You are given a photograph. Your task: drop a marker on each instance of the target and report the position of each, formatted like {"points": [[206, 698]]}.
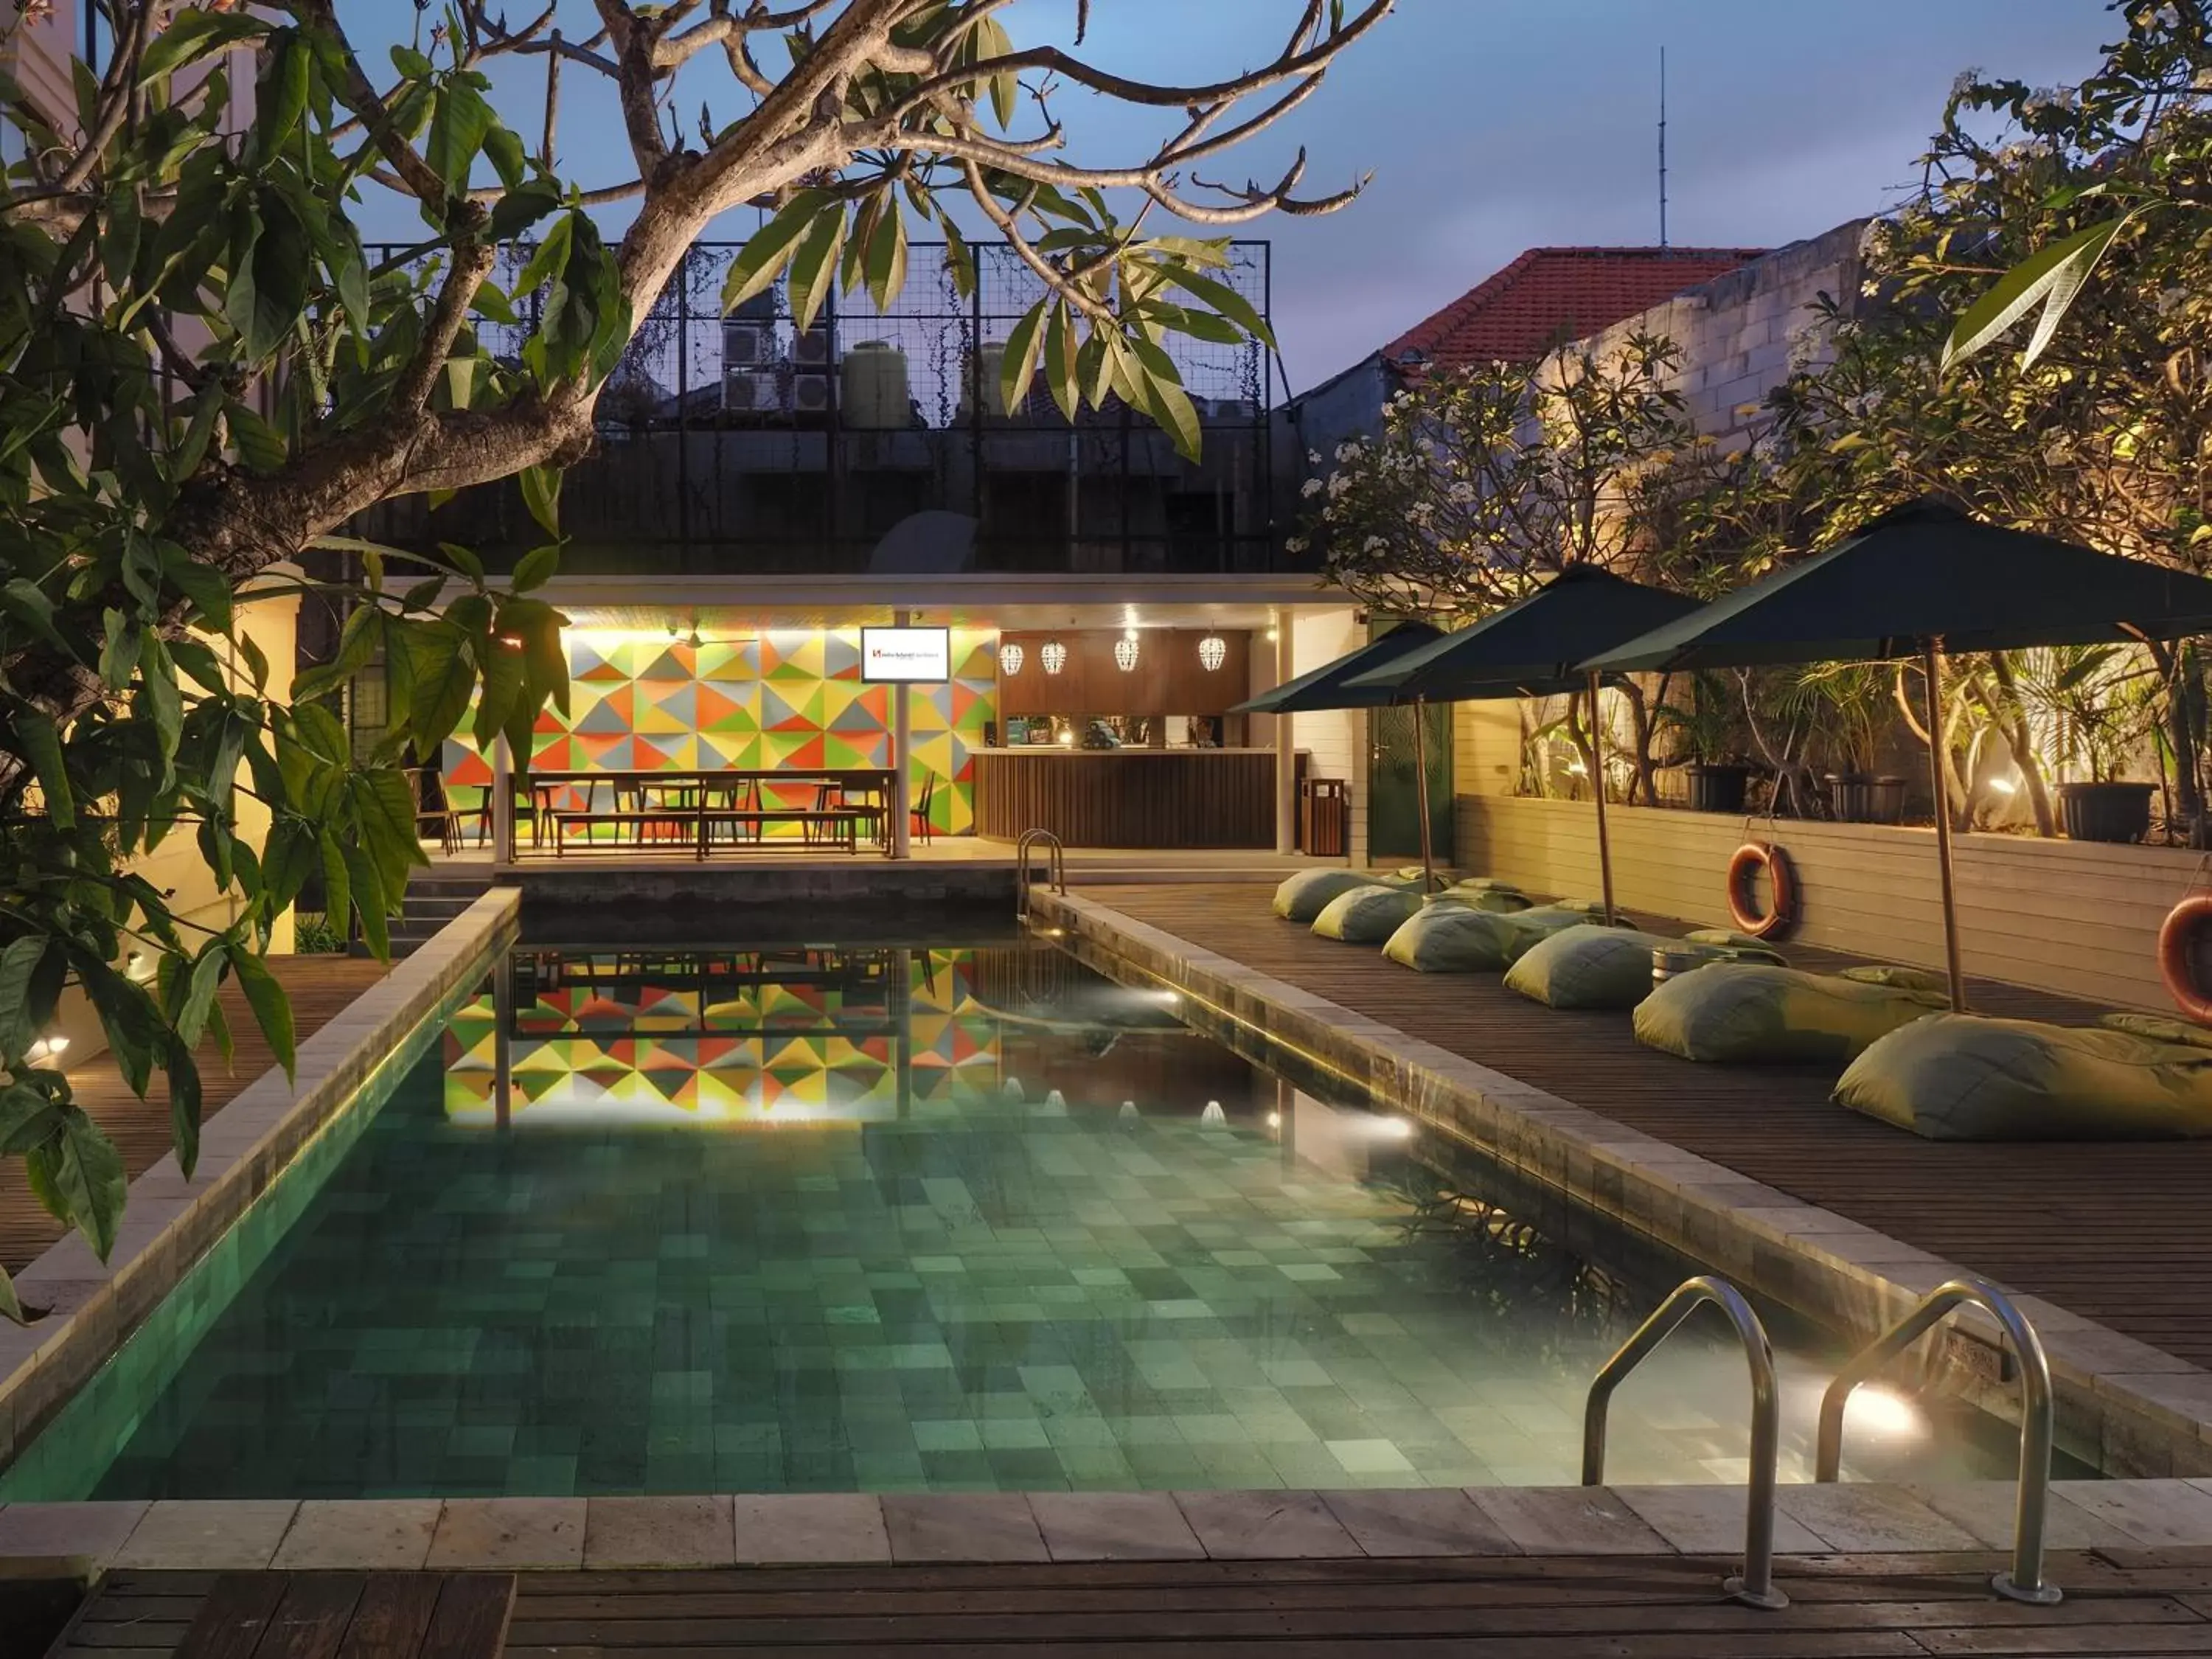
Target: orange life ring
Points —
{"points": [[2177, 939], [1750, 858]]}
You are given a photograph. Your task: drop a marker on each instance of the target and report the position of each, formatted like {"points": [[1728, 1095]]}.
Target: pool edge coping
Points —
{"points": [[833, 1530], [169, 1222], [2145, 1412]]}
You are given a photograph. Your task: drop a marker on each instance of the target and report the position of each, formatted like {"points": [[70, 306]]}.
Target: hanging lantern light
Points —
{"points": [[1052, 655], [1213, 652], [1010, 659], [1125, 653]]}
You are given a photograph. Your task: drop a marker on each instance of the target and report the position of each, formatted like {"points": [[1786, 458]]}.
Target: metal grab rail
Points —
{"points": [[1756, 1587], [2025, 1581], [1055, 868]]}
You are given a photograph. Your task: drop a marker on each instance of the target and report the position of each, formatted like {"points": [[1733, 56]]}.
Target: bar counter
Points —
{"points": [[1128, 797]]}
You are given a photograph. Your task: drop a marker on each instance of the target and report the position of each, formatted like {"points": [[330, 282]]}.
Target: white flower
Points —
{"points": [[1295, 545], [1346, 450], [1312, 487], [1376, 544], [1964, 81]]}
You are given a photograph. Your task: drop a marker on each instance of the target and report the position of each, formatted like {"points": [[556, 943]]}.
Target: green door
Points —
{"points": [[1394, 811]]}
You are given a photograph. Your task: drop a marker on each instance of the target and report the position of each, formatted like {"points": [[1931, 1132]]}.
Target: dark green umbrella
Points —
{"points": [[1533, 648], [1327, 687], [1920, 581]]}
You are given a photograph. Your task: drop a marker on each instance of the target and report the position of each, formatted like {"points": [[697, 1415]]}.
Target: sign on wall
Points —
{"points": [[914, 656]]}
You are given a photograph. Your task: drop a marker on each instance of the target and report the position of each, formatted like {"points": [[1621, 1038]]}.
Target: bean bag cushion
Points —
{"points": [[2159, 1028], [1751, 1013], [1727, 937], [1961, 1076], [1524, 928], [1499, 899], [1901, 979], [1365, 916], [1445, 937], [1304, 896], [1591, 966]]}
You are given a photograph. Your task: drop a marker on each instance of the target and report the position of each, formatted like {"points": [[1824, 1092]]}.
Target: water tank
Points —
{"points": [[871, 387], [991, 363]]}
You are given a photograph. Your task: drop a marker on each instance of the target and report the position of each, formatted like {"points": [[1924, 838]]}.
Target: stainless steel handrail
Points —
{"points": [[2025, 1581], [1055, 867], [1756, 1587]]}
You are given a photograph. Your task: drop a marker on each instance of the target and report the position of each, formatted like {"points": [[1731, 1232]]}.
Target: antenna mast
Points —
{"points": [[1662, 147]]}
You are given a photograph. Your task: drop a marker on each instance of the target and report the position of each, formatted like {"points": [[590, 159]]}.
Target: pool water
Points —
{"points": [[901, 1220]]}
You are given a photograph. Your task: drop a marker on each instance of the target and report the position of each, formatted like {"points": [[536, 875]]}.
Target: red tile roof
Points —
{"points": [[1549, 293]]}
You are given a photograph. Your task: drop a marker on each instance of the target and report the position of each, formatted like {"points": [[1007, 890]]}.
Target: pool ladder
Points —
{"points": [[1755, 1585], [1055, 867]]}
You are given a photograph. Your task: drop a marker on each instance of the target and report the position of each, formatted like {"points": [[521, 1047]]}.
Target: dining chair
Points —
{"points": [[921, 824]]}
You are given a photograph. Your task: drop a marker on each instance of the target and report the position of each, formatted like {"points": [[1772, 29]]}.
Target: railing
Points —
{"points": [[1755, 1587], [1055, 867], [2025, 1581]]}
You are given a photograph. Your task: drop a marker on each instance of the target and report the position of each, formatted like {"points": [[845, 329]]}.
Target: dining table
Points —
{"points": [[837, 802]]}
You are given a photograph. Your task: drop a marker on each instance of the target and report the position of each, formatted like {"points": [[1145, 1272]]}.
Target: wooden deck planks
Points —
{"points": [[294, 1616], [1487, 1607], [2120, 1233], [320, 987]]}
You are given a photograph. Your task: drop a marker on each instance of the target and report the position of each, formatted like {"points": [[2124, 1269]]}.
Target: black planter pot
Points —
{"points": [[1860, 798], [1716, 788], [2105, 812]]}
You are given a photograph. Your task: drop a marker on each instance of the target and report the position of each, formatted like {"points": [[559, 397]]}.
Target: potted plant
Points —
{"points": [[2105, 699], [1705, 730], [1850, 704]]}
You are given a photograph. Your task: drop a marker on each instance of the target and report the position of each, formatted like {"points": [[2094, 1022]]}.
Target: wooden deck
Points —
{"points": [[320, 987], [2117, 1603], [2119, 1232]]}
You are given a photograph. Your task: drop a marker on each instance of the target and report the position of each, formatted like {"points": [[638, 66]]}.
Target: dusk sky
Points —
{"points": [[1494, 125]]}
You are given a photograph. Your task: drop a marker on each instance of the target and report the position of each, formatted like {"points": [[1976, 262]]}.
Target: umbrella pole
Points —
{"points": [[1421, 788], [1931, 663], [1597, 790]]}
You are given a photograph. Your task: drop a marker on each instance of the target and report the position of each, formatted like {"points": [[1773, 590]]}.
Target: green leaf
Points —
{"points": [[10, 1309], [460, 118], [206, 979], [27, 1116], [272, 1011], [1224, 299], [157, 681], [18, 1018], [534, 568], [368, 885], [1018, 367], [184, 1100], [208, 588], [1165, 397], [260, 447], [193, 35], [78, 1173], [25, 601], [541, 494], [521, 207], [1061, 364], [814, 266], [504, 150], [887, 256], [42, 746], [282, 97], [548, 258], [762, 258], [2051, 278], [442, 675]]}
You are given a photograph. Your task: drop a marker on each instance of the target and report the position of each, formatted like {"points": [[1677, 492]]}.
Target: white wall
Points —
{"points": [[1336, 739], [2077, 918]]}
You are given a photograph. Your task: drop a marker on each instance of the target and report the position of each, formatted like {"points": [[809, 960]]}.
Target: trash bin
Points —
{"points": [[1324, 813]]}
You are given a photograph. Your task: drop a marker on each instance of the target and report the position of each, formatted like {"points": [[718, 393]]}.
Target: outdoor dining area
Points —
{"points": [[695, 812]]}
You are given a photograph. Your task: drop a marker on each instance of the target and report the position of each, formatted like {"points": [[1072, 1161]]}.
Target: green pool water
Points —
{"points": [[893, 1220]]}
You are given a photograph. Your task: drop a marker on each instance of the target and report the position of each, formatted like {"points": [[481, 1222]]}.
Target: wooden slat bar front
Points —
{"points": [[1132, 798]]}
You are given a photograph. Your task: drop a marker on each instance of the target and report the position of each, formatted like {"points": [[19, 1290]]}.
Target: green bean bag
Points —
{"points": [[1751, 1013], [1502, 900], [2159, 1028], [1961, 1076], [1591, 965], [1727, 937], [1445, 937], [1304, 896], [1365, 916], [1901, 979]]}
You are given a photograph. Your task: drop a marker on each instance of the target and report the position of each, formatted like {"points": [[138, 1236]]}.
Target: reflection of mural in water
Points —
{"points": [[1511, 1268], [731, 1037]]}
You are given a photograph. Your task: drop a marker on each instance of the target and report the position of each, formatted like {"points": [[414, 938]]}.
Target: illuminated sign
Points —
{"points": [[919, 656]]}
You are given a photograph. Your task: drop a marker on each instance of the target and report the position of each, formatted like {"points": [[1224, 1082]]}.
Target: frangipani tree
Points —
{"points": [[202, 372]]}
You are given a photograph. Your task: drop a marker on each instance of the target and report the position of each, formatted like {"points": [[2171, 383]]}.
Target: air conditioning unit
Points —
{"points": [[810, 392], [752, 392], [811, 350], [747, 345]]}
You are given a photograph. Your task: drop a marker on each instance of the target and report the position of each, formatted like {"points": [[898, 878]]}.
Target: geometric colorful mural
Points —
{"points": [[790, 697], [759, 1050]]}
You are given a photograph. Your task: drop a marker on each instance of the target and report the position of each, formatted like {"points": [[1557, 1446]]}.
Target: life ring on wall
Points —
{"points": [[2177, 948], [1743, 870]]}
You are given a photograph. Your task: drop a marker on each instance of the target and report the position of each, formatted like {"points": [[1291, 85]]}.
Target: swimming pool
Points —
{"points": [[900, 1218]]}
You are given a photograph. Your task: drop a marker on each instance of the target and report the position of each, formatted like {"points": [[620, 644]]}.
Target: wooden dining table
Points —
{"points": [[739, 798]]}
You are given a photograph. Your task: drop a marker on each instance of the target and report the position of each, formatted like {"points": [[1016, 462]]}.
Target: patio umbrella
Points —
{"points": [[1533, 647], [1328, 687], [1921, 582]]}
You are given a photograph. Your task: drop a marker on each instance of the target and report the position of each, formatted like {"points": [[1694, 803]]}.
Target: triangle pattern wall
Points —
{"points": [[790, 697]]}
